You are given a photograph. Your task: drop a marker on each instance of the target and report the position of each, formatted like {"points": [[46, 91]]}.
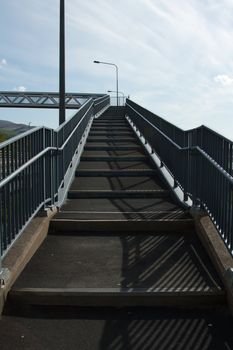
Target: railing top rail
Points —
{"points": [[157, 129], [161, 118], [101, 97], [100, 100], [213, 132], [68, 120], [197, 148], [182, 130], [40, 154], [214, 163], [24, 166]]}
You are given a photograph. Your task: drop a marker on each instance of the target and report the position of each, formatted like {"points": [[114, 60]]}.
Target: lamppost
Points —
{"points": [[112, 64], [62, 102], [119, 92]]}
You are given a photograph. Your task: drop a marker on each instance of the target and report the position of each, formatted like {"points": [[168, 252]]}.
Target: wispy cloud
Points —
{"points": [[20, 88], [3, 62], [174, 57], [223, 79]]}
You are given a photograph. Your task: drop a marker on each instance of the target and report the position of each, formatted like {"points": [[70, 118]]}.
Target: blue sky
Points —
{"points": [[174, 57]]}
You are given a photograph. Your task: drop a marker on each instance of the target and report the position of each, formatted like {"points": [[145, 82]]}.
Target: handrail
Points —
{"points": [[25, 166], [101, 97], [176, 127], [197, 148], [195, 171], [41, 177], [217, 146], [39, 155]]}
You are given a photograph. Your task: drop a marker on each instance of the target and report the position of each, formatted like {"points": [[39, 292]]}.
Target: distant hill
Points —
{"points": [[9, 129]]}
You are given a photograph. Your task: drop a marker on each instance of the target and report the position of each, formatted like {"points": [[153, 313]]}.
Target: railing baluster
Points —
{"points": [[33, 167], [208, 172]]}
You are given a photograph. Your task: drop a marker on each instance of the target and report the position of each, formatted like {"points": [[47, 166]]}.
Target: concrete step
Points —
{"points": [[117, 297], [112, 140], [110, 123], [114, 165], [73, 222], [138, 152], [98, 147], [115, 172], [120, 270], [145, 206], [111, 134], [110, 129], [120, 143], [73, 194], [109, 159], [117, 183], [111, 118]]}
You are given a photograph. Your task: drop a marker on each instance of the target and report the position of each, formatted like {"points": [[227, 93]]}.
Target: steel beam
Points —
{"points": [[43, 99]]}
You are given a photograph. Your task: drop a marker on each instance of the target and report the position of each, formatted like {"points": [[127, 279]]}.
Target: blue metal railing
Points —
{"points": [[215, 145], [200, 177], [33, 168]]}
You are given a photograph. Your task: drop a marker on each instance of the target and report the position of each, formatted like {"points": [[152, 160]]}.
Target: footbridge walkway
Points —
{"points": [[125, 223]]}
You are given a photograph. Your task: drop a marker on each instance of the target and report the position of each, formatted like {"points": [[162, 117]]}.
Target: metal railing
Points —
{"points": [[215, 145], [34, 166], [197, 173], [100, 103], [19, 149], [121, 100]]}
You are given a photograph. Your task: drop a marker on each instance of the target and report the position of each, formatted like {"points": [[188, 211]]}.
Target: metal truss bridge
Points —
{"points": [[44, 99]]}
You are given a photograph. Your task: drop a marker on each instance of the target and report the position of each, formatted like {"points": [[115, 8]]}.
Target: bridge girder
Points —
{"points": [[43, 99]]}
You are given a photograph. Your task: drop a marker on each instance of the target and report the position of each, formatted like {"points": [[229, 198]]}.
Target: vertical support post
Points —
{"points": [[62, 111], [117, 85], [195, 178], [1, 232]]}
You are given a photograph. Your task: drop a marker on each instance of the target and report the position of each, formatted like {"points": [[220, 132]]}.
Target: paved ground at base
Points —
{"points": [[108, 329]]}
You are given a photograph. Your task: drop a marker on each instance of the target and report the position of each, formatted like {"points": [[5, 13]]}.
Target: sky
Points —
{"points": [[175, 57]]}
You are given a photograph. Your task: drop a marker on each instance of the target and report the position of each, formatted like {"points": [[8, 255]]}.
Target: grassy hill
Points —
{"points": [[9, 129]]}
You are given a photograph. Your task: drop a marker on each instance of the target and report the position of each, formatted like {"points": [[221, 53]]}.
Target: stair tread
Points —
{"points": [[115, 159], [115, 172], [112, 139], [98, 147], [167, 217], [117, 183], [118, 205], [114, 153], [112, 143], [143, 262], [115, 165]]}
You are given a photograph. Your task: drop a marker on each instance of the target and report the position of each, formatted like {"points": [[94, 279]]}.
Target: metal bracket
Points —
{"points": [[4, 277], [175, 185]]}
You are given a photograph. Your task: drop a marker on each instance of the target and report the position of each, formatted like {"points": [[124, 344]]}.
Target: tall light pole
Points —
{"points": [[62, 102], [112, 64], [119, 92]]}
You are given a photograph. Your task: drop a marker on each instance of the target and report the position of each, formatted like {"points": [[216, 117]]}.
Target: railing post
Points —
{"points": [[195, 174], [1, 231], [44, 167]]}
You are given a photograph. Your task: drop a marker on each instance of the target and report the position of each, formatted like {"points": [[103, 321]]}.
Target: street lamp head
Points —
{"points": [[96, 61], [109, 91]]}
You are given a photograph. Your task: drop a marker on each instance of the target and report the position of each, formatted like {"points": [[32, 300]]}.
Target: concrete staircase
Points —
{"points": [[121, 240]]}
